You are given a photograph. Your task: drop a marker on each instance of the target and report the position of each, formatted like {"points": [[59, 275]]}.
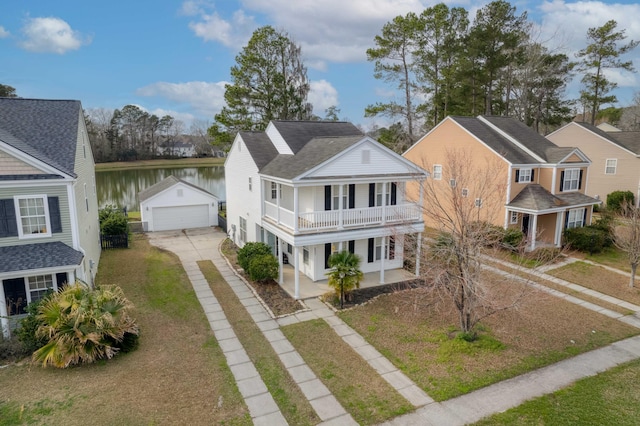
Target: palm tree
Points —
{"points": [[83, 325], [345, 274]]}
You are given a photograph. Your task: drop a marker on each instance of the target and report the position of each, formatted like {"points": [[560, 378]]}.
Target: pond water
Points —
{"points": [[121, 187]]}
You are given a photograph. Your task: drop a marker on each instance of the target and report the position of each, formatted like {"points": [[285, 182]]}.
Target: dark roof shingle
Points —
{"points": [[164, 184], [44, 129], [38, 256]]}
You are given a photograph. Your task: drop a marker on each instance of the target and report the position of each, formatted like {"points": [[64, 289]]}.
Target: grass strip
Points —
{"points": [[358, 387], [610, 398], [160, 163], [286, 393]]}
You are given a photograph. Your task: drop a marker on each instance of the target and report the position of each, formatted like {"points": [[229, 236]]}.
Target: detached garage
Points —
{"points": [[176, 204]]}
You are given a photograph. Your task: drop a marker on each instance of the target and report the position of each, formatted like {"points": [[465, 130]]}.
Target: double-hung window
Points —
{"points": [[513, 219], [524, 175], [39, 286], [571, 180], [387, 194], [243, 229], [575, 218], [610, 168], [33, 216], [335, 196], [437, 171], [274, 190]]}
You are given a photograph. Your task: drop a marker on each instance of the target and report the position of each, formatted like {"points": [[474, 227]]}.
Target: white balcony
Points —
{"points": [[331, 220]]}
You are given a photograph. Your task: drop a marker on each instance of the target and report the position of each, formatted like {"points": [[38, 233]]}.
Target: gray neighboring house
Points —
{"points": [[49, 231]]}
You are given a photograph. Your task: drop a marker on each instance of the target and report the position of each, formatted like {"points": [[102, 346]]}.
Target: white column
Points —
{"points": [[4, 321], [418, 250], [296, 268], [559, 222], [384, 249], [280, 263], [534, 232], [384, 203], [295, 209], [340, 210]]}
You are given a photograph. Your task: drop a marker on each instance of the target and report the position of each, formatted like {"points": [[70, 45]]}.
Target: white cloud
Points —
{"points": [[234, 33], [205, 98], [3, 33], [51, 35], [322, 95]]}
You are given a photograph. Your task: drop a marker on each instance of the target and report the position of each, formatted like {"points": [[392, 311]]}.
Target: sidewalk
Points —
{"points": [[202, 244]]}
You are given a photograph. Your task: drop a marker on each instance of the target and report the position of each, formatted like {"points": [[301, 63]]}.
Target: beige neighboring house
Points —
{"points": [[540, 187], [615, 157]]}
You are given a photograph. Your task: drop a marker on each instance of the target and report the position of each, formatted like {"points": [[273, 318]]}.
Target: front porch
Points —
{"points": [[309, 289]]}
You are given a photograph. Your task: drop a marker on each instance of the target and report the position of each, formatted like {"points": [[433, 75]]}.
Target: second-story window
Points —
{"points": [[524, 175], [335, 196], [571, 180], [33, 217], [437, 171], [274, 190], [250, 183], [610, 168]]}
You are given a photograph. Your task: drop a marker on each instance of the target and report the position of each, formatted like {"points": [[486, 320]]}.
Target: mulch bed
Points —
{"points": [[360, 296], [275, 297]]}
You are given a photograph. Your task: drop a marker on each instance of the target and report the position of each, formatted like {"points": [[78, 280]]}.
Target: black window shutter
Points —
{"points": [[54, 215], [327, 197], [566, 219], [392, 248], [394, 193], [352, 246], [8, 223], [372, 194], [61, 278], [352, 196], [533, 174], [584, 218], [580, 180], [562, 181], [517, 175], [370, 248], [327, 253]]}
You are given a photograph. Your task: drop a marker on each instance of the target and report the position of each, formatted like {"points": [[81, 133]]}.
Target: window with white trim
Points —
{"points": [[571, 180], [33, 216], [39, 286], [335, 196], [524, 175], [465, 192], [437, 171], [513, 219], [250, 184], [576, 218], [243, 230], [305, 255], [478, 202], [86, 199], [387, 194], [274, 190], [611, 166], [378, 249]]}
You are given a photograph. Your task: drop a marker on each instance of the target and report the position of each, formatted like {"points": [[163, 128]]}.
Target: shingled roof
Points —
{"points": [[627, 140], [312, 143], [44, 129], [38, 256], [536, 198], [164, 184]]}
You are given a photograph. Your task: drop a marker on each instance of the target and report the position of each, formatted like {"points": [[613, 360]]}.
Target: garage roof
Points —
{"points": [[165, 184]]}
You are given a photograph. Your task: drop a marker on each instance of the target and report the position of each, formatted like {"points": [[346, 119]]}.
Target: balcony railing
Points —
{"points": [[341, 219]]}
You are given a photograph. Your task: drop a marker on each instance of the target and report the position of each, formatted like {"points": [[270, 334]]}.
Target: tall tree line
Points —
{"points": [[443, 63], [129, 133]]}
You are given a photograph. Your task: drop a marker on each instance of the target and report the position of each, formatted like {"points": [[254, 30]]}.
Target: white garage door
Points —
{"points": [[180, 217]]}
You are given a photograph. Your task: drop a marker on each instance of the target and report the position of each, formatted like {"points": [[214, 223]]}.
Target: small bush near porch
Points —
{"points": [[418, 335]]}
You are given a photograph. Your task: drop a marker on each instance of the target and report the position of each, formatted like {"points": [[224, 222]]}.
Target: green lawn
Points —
{"points": [[610, 398]]}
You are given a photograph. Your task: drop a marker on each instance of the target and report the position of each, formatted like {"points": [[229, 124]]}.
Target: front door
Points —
{"points": [[16, 296], [525, 224]]}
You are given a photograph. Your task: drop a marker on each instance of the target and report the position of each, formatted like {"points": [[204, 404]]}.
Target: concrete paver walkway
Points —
{"points": [[202, 244]]}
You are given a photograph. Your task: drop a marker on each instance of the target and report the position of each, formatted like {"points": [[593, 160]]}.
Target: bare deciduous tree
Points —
{"points": [[463, 201], [626, 236]]}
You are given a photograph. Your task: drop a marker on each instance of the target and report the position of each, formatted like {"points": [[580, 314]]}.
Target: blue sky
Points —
{"points": [[173, 57]]}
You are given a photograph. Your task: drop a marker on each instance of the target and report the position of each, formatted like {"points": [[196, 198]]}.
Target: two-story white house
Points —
{"points": [[49, 231], [310, 188]]}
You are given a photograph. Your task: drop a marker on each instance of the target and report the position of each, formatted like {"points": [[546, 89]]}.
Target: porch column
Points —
{"points": [[534, 232], [340, 210], [384, 205], [295, 209], [418, 249], [278, 200], [558, 235], [280, 263], [4, 320], [383, 255], [296, 268]]}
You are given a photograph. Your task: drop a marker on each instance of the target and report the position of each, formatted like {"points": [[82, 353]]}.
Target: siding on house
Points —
{"points": [[10, 165]]}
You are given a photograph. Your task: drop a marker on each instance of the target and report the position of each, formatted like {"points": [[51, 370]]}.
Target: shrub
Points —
{"points": [[249, 251], [605, 224], [512, 239], [113, 221], [26, 332], [263, 267], [83, 325], [11, 349], [617, 198], [586, 239]]}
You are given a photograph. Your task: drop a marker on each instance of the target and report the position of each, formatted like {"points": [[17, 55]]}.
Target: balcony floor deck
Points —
{"points": [[310, 289]]}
